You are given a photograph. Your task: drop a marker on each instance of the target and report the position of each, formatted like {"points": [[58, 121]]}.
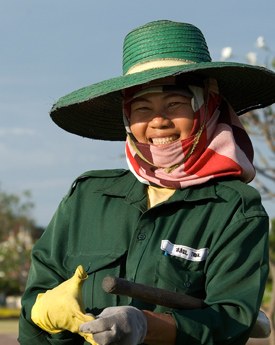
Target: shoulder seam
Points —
{"points": [[96, 174]]}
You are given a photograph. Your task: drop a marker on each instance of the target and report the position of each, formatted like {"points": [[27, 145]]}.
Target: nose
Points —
{"points": [[160, 121]]}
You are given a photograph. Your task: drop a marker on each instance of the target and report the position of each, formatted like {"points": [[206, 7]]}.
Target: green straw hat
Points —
{"points": [[153, 51]]}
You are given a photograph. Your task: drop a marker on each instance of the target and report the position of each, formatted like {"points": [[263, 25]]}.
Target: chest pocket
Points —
{"points": [[175, 274], [97, 266]]}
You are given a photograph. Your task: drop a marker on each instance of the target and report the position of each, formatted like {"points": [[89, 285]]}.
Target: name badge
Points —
{"points": [[184, 252]]}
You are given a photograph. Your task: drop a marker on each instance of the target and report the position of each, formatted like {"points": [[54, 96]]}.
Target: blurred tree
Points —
{"points": [[16, 228], [260, 124], [14, 210], [271, 306]]}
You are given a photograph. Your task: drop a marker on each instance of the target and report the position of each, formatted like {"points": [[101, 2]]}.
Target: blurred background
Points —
{"points": [[50, 48]]}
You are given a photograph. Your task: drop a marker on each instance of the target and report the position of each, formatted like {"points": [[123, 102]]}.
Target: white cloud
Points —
{"points": [[16, 131]]}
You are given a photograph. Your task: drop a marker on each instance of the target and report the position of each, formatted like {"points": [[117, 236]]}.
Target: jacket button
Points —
{"points": [[187, 284], [141, 236]]}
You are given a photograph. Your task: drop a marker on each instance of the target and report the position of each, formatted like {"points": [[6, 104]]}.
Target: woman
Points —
{"points": [[182, 218]]}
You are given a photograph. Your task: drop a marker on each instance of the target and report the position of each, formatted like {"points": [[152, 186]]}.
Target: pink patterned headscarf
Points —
{"points": [[218, 146]]}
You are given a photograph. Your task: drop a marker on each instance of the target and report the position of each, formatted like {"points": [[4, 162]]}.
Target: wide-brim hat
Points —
{"points": [[153, 51]]}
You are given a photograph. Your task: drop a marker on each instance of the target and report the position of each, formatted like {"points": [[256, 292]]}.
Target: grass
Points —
{"points": [[9, 320], [9, 326]]}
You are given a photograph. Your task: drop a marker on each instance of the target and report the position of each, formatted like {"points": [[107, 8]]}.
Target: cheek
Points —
{"points": [[190, 124], [185, 126], [139, 130]]}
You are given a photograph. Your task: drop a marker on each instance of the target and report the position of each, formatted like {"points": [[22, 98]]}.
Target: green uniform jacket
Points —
{"points": [[208, 241]]}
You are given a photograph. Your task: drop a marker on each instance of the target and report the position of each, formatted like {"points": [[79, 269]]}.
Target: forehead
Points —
{"points": [[158, 86], [151, 96]]}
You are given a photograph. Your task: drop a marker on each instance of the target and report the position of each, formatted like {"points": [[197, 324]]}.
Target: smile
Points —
{"points": [[163, 141]]}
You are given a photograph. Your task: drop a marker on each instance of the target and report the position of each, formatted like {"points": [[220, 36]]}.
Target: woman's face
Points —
{"points": [[161, 118]]}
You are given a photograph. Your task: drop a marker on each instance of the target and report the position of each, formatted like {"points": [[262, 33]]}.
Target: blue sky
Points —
{"points": [[52, 47]]}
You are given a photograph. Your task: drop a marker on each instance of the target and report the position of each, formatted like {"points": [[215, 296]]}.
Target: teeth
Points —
{"points": [[163, 141]]}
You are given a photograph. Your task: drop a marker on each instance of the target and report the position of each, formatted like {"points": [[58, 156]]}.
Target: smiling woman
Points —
{"points": [[182, 218], [171, 124], [161, 118]]}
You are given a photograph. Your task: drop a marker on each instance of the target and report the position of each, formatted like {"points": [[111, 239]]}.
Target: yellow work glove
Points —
{"points": [[60, 309]]}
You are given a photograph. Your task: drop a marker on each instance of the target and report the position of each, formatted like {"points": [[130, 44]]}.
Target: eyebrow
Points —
{"points": [[139, 99], [173, 94]]}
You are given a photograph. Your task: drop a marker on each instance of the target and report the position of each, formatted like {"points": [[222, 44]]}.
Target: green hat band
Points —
{"points": [[163, 41]]}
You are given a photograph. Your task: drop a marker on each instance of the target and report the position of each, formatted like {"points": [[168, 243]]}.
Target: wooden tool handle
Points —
{"points": [[170, 299]]}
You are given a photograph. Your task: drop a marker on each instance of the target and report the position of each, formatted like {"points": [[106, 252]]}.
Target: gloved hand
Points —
{"points": [[118, 325], [60, 309]]}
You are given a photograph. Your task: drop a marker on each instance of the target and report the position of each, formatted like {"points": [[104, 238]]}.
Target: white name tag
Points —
{"points": [[184, 251]]}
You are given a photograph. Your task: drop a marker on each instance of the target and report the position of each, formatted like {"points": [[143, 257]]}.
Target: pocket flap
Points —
{"points": [[97, 260]]}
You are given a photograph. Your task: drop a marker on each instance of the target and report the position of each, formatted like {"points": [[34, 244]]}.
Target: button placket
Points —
{"points": [[138, 246]]}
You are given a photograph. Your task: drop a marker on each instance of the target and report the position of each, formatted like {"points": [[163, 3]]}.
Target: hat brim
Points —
{"points": [[95, 111]]}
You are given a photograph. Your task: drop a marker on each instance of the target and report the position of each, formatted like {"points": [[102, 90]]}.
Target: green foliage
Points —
{"points": [[272, 241], [7, 313], [267, 294], [14, 210]]}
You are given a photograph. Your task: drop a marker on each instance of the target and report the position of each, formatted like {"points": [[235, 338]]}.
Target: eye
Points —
{"points": [[173, 104], [140, 108], [177, 103]]}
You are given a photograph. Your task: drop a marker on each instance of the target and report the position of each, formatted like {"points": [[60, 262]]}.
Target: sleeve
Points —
{"points": [[47, 271], [236, 273]]}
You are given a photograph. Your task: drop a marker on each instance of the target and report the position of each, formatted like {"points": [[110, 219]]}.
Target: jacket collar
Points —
{"points": [[134, 191]]}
